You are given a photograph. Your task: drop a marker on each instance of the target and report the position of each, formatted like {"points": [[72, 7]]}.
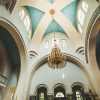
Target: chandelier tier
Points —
{"points": [[56, 59]]}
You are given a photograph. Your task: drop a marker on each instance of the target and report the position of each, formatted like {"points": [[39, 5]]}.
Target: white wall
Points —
{"points": [[67, 76]]}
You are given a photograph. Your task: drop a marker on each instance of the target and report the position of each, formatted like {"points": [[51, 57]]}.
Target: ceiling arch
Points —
{"points": [[15, 34], [61, 19]]}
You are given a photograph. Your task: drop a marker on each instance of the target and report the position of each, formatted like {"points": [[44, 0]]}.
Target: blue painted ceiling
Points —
{"points": [[51, 1], [69, 11], [54, 27], [35, 15]]}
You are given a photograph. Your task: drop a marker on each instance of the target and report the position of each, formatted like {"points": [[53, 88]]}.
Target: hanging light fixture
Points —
{"points": [[56, 59]]}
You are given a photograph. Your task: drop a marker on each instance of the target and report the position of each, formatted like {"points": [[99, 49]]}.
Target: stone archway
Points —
{"points": [[15, 34], [91, 52], [59, 91]]}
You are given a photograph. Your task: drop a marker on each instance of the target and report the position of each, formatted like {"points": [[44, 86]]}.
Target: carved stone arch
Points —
{"points": [[60, 85], [41, 91], [79, 84], [41, 85], [78, 90], [90, 47]]}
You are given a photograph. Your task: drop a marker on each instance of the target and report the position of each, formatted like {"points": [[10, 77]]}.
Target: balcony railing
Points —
{"points": [[3, 80]]}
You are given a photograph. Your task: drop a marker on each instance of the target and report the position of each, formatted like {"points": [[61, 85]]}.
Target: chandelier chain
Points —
{"points": [[56, 59]]}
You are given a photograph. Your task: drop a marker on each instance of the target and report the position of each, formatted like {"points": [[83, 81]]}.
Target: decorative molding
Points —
{"points": [[59, 84], [80, 50]]}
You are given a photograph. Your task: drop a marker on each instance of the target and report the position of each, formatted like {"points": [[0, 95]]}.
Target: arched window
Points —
{"points": [[26, 21], [59, 93], [22, 14], [81, 16], [46, 45], [41, 96], [78, 92], [42, 93], [78, 95], [63, 43], [55, 40], [85, 6]]}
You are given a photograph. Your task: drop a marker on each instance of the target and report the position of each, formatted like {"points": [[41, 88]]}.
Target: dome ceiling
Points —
{"points": [[69, 11]]}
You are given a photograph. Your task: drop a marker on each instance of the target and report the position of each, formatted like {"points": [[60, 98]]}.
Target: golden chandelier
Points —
{"points": [[56, 59]]}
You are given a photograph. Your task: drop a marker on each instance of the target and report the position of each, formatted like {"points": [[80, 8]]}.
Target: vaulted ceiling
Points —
{"points": [[40, 17], [69, 12], [64, 19]]}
